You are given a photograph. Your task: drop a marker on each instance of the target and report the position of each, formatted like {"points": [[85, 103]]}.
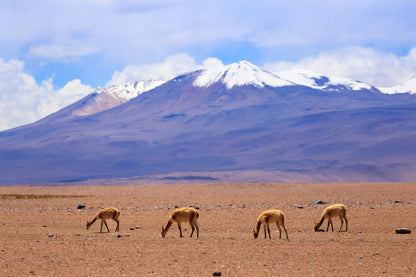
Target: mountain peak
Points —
{"points": [[318, 81], [130, 90], [408, 87], [239, 74]]}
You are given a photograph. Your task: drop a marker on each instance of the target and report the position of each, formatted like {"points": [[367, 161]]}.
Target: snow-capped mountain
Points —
{"points": [[107, 98], [224, 121], [102, 99], [130, 90], [318, 81], [239, 74], [407, 87], [245, 73]]}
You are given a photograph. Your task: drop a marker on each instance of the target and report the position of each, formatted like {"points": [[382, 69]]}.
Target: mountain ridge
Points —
{"points": [[102, 99], [284, 133]]}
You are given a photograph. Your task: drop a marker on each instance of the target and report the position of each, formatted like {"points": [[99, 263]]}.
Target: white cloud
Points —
{"points": [[70, 93], [358, 63], [23, 100], [363, 64], [212, 63], [136, 31], [65, 53], [171, 67]]}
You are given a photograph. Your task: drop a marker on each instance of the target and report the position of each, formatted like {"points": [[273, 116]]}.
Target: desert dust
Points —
{"points": [[43, 230]]}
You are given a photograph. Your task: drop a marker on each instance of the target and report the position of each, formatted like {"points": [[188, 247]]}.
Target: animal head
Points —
{"points": [[316, 228], [163, 232], [88, 225], [256, 234]]}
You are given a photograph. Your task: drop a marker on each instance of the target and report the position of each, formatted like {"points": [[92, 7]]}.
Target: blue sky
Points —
{"points": [[53, 52]]}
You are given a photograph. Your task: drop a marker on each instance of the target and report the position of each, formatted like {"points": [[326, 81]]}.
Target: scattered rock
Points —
{"points": [[50, 235], [403, 231], [398, 201], [120, 236], [216, 273], [77, 234], [318, 202], [81, 207]]}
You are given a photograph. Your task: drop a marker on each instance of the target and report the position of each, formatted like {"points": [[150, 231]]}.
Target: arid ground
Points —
{"points": [[43, 233]]}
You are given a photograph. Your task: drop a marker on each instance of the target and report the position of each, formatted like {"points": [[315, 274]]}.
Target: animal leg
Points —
{"points": [[193, 227], [118, 225], [346, 224], [108, 230], [280, 230], [180, 230], [101, 229], [342, 223], [327, 227], [268, 230], [332, 224], [197, 228], [287, 236], [265, 231]]}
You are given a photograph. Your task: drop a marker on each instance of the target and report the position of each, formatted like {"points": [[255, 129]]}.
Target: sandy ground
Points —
{"points": [[47, 237]]}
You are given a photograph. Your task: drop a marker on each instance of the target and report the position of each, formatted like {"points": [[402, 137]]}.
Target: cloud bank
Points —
{"points": [[23, 100], [358, 63]]}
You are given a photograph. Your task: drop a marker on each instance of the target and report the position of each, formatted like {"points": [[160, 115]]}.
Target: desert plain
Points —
{"points": [[43, 233]]}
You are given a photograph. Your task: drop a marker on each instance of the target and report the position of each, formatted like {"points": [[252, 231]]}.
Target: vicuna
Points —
{"points": [[107, 213], [330, 212], [270, 217], [183, 215]]}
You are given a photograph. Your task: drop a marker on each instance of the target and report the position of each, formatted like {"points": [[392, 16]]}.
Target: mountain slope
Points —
{"points": [[103, 99], [408, 87], [318, 81], [241, 119]]}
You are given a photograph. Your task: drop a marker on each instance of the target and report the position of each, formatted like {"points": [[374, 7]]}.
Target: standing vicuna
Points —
{"points": [[183, 215], [270, 217], [107, 213], [330, 212]]}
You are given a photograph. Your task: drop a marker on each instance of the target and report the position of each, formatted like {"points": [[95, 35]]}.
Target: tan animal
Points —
{"points": [[330, 212], [183, 215], [107, 213], [270, 217]]}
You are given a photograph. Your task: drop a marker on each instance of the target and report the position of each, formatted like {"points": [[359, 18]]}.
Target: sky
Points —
{"points": [[54, 52]]}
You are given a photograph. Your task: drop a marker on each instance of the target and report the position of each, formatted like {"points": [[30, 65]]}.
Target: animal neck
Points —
{"points": [[256, 232], [320, 221], [89, 223], [167, 227]]}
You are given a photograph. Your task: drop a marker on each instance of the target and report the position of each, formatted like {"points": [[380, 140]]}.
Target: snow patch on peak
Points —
{"points": [[239, 74], [131, 90], [318, 81], [408, 87]]}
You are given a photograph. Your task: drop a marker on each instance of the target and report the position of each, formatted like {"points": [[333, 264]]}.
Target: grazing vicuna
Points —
{"points": [[330, 212], [107, 213], [183, 215], [270, 217]]}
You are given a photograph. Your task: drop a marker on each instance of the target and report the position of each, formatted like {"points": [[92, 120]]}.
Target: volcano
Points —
{"points": [[228, 123]]}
